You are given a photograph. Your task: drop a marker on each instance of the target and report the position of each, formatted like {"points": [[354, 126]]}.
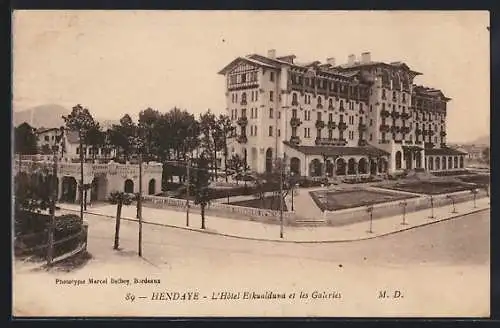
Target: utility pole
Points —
{"points": [[81, 174], [187, 191], [139, 204], [55, 187], [282, 164]]}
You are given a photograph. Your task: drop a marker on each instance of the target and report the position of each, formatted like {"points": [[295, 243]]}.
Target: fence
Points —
{"points": [[225, 210], [358, 214]]}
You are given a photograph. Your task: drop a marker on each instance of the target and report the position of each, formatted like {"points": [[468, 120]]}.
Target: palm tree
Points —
{"points": [[119, 198]]}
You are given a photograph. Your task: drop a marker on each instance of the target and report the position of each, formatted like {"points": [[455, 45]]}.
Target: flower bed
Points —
{"points": [[430, 187], [267, 203], [338, 200]]}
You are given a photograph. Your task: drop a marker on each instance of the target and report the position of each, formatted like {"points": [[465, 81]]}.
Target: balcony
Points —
{"points": [[319, 106], [242, 138], [395, 115], [425, 132], [342, 126], [295, 103], [362, 112], [429, 145], [385, 113], [332, 125], [384, 128], [418, 142], [330, 142], [242, 121], [362, 143], [395, 129], [405, 115], [330, 107], [243, 102], [320, 124], [342, 109], [418, 132], [294, 140], [362, 127], [405, 129], [295, 122], [443, 134]]}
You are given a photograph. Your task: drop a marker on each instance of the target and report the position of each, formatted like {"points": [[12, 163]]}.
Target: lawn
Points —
{"points": [[429, 188], [338, 200], [268, 203]]}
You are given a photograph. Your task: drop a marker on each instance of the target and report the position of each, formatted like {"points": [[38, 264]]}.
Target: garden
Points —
{"points": [[435, 187], [343, 199], [267, 203]]}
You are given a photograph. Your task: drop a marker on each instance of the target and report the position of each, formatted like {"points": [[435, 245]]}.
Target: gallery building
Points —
{"points": [[360, 118]]}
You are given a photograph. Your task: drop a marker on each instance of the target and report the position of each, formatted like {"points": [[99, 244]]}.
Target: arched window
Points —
{"points": [[398, 160], [129, 186], [461, 162], [430, 163]]}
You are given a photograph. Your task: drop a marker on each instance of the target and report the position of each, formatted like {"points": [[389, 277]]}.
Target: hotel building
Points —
{"points": [[360, 118]]}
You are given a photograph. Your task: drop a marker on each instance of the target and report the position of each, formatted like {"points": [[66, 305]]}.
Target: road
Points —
{"points": [[435, 266]]}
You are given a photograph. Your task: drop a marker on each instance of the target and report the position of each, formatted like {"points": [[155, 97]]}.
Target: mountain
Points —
{"points": [[50, 116], [484, 140]]}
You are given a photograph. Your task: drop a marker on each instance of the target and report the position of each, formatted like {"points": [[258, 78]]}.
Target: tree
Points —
{"points": [[95, 137], [224, 132], [120, 134], [80, 120], [201, 185], [209, 135], [149, 122], [238, 166], [25, 140], [486, 155], [119, 198]]}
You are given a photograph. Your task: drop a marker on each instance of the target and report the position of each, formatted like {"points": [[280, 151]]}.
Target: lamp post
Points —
{"points": [[369, 209], [292, 185], [453, 209], [404, 204], [474, 194], [432, 207]]}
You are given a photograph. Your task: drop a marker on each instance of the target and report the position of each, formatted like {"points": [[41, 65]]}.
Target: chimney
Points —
{"points": [[331, 61], [351, 59], [366, 57], [271, 53]]}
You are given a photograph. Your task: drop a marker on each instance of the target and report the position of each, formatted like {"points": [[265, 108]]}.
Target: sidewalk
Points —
{"points": [[261, 231]]}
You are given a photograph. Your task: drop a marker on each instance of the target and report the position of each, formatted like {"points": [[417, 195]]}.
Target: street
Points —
{"points": [[444, 261]]}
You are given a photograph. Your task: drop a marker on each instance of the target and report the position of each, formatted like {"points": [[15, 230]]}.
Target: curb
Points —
{"points": [[291, 241]]}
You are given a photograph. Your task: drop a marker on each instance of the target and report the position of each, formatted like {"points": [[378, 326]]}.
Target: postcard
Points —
{"points": [[251, 163]]}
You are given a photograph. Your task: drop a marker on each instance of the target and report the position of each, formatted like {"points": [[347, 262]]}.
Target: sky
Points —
{"points": [[117, 62]]}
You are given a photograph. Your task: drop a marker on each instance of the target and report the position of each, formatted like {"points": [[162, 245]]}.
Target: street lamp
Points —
{"points": [[369, 209], [292, 184], [474, 193], [404, 204], [432, 207], [453, 210]]}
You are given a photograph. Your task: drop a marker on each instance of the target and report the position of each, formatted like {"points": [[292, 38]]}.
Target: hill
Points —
{"points": [[48, 116], [484, 140]]}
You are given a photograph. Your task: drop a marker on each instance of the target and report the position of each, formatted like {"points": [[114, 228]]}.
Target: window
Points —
{"points": [[279, 133], [371, 137], [271, 77], [383, 93], [319, 116], [330, 134], [46, 138], [256, 95], [256, 109], [294, 99], [271, 96], [243, 78], [243, 112], [371, 122], [371, 108], [330, 117], [271, 113], [235, 97], [77, 150], [361, 106], [319, 100], [279, 114], [255, 130], [294, 113], [330, 102], [270, 131]]}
